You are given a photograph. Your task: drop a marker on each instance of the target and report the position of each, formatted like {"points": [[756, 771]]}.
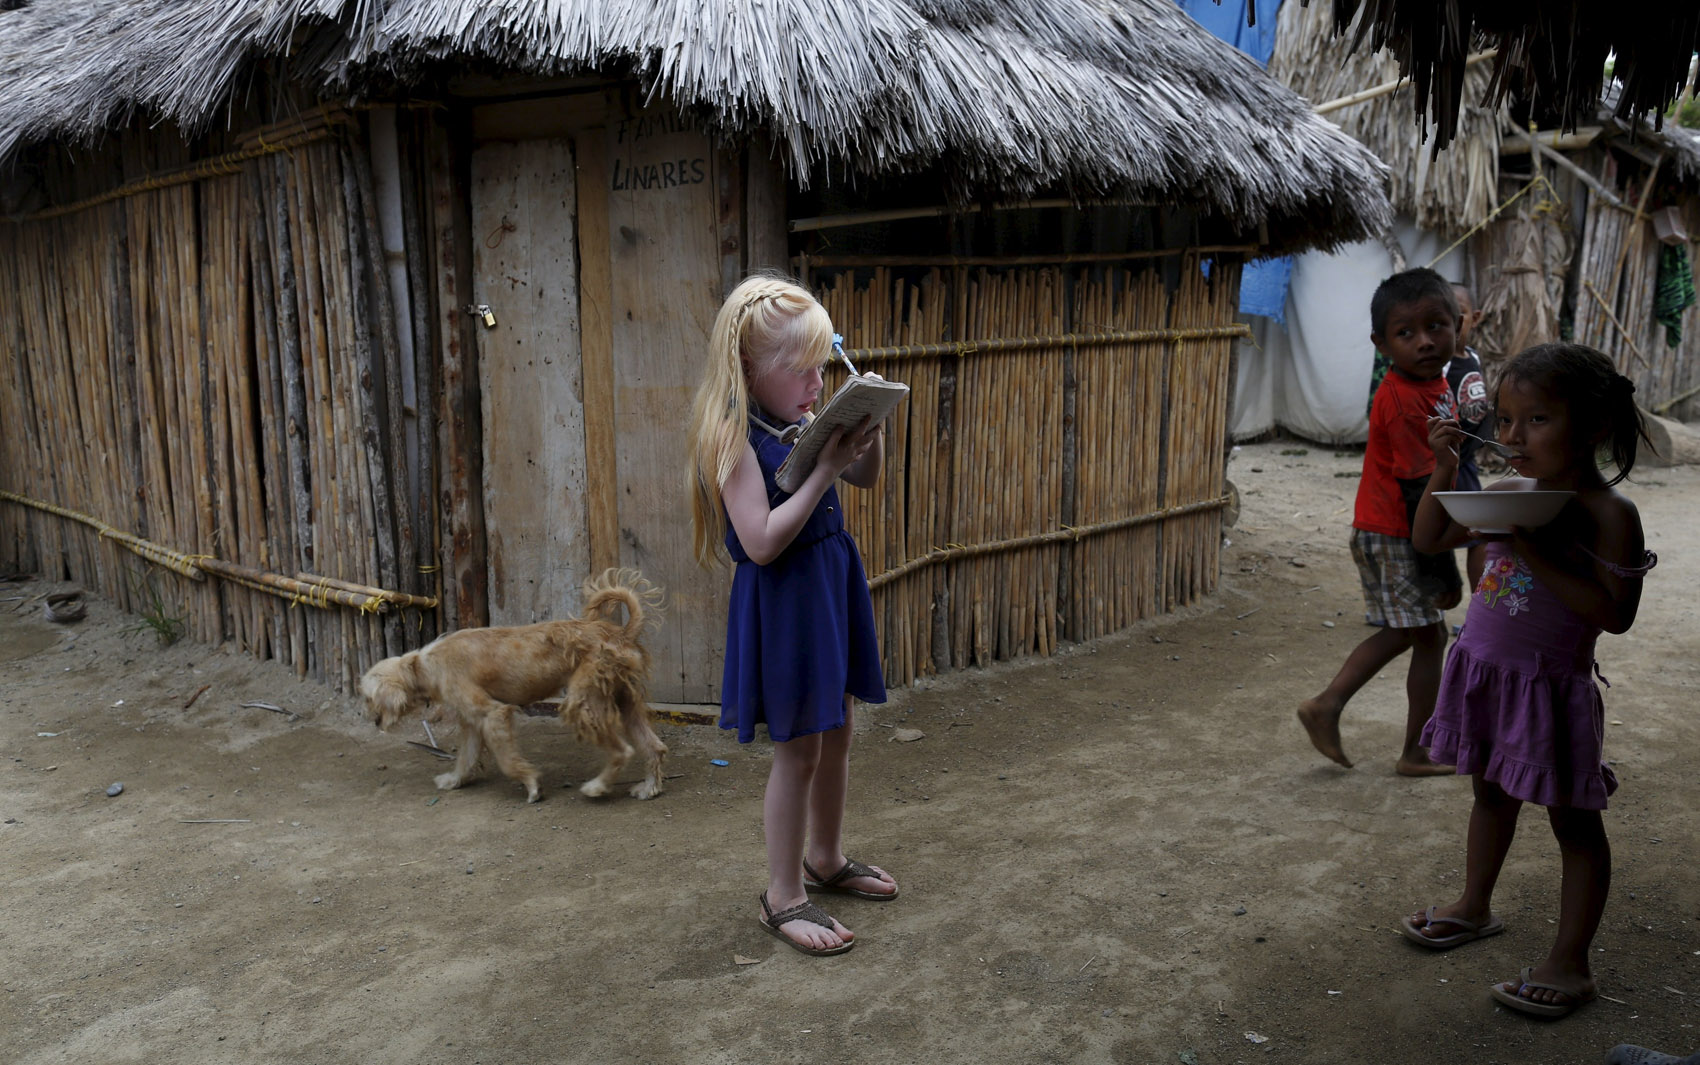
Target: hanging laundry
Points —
{"points": [[1674, 291]]}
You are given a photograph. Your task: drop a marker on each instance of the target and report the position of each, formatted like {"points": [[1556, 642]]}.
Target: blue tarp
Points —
{"points": [[1226, 20], [1263, 287], [1263, 284]]}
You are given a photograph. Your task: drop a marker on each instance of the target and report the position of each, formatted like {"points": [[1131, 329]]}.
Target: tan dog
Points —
{"points": [[485, 676]]}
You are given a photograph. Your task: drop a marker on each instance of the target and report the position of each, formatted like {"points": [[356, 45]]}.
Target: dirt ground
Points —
{"points": [[1127, 853]]}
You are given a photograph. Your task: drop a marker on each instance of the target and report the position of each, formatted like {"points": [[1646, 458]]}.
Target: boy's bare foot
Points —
{"points": [[1322, 723], [1418, 765]]}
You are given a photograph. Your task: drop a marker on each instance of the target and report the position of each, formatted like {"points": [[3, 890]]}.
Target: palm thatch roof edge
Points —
{"points": [[1006, 98]]}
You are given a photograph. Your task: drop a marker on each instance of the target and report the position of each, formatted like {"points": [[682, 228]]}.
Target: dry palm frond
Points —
{"points": [[1447, 192], [1551, 54], [1527, 258], [1117, 98]]}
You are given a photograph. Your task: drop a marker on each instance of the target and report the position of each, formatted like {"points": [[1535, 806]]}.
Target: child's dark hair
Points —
{"points": [[1600, 401], [1409, 286]]}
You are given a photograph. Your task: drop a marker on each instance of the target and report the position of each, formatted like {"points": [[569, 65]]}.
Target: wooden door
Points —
{"points": [[597, 240], [524, 237]]}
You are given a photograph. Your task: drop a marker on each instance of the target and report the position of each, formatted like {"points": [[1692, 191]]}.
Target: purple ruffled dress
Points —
{"points": [[1518, 701]]}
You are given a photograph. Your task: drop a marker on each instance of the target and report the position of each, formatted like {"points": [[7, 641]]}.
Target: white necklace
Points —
{"points": [[787, 435]]}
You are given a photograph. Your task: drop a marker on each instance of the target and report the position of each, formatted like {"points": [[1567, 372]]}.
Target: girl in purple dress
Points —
{"points": [[800, 639], [1519, 709]]}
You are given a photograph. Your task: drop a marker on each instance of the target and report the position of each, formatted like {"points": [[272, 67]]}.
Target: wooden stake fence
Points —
{"points": [[1057, 470], [1617, 273], [204, 366]]}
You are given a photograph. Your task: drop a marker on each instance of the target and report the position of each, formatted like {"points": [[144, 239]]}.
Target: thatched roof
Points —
{"points": [[1685, 151], [1125, 99], [1447, 192], [1552, 54]]}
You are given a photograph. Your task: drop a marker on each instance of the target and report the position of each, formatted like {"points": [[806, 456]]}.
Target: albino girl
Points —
{"points": [[1518, 708], [800, 640]]}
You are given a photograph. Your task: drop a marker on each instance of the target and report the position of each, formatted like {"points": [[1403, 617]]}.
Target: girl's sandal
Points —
{"points": [[835, 883], [803, 911]]}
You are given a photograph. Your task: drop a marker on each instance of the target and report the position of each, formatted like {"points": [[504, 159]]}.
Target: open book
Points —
{"points": [[860, 397]]}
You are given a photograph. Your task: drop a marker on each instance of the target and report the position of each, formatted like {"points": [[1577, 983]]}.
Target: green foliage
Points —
{"points": [[1685, 112], [168, 628]]}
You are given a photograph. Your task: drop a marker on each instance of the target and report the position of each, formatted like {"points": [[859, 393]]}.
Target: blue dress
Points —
{"points": [[800, 630]]}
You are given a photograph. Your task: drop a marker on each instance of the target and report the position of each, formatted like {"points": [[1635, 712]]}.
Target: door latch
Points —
{"points": [[483, 311]]}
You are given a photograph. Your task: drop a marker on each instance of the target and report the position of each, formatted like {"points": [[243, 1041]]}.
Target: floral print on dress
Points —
{"points": [[1506, 581]]}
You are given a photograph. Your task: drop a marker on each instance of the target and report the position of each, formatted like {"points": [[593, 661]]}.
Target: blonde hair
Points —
{"points": [[767, 321]]}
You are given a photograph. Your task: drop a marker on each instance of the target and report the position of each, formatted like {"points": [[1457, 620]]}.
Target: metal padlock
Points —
{"points": [[483, 311]]}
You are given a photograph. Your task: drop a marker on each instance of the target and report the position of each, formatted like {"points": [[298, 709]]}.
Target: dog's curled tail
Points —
{"points": [[630, 588]]}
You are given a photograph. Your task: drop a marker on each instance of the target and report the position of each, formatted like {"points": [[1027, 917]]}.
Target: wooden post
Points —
{"points": [[596, 301], [427, 541], [386, 447], [465, 581]]}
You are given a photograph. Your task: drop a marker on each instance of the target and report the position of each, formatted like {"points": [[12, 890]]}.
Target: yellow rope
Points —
{"points": [[1074, 533], [1538, 179], [164, 556], [1010, 345], [367, 601], [218, 166]]}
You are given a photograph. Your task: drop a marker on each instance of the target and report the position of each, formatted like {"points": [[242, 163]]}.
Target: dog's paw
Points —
{"points": [[448, 781], [531, 793], [646, 789], [594, 788]]}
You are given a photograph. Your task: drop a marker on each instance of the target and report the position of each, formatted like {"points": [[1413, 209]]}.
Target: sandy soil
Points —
{"points": [[1127, 853]]}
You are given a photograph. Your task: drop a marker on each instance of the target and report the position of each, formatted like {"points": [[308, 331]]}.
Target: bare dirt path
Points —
{"points": [[1127, 853]]}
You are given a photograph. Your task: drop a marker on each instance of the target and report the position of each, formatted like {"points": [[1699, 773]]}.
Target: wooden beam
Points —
{"points": [[1386, 87], [596, 344], [537, 117], [460, 419], [1540, 151], [1553, 140], [1627, 339], [1021, 260], [857, 218]]}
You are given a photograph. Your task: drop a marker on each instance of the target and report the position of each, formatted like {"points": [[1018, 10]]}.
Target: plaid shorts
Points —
{"points": [[1394, 595]]}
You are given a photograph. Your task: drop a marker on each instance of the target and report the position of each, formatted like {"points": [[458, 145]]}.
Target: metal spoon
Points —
{"points": [[1492, 445]]}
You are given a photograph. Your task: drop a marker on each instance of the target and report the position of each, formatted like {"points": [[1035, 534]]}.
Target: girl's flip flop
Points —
{"points": [[1510, 994], [835, 883], [1468, 931]]}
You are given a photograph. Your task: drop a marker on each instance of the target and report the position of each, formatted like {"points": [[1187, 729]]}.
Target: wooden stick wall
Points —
{"points": [[1030, 489], [1617, 274], [213, 366]]}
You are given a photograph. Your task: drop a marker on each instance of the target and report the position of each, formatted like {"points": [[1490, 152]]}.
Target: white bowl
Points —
{"points": [[1496, 512]]}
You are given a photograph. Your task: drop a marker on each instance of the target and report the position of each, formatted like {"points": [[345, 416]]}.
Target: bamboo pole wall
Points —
{"points": [[1617, 274], [212, 365], [903, 518], [1057, 486], [1118, 576]]}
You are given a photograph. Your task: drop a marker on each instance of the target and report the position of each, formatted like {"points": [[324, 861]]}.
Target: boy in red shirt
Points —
{"points": [[1414, 322]]}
